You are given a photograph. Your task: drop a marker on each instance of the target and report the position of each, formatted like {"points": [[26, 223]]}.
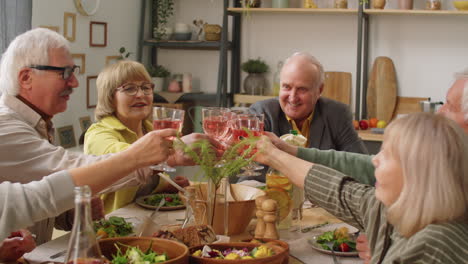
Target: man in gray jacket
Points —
{"points": [[327, 124]]}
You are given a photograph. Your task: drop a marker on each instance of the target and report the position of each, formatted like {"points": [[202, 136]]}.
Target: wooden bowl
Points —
{"points": [[269, 241], [280, 256], [241, 208], [461, 5], [177, 252]]}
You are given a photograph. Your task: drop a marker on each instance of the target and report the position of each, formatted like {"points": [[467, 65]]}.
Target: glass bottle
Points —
{"points": [[83, 247], [276, 78], [280, 189]]}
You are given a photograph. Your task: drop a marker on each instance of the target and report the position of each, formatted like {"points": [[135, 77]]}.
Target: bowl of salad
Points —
{"points": [[238, 252], [113, 227], [137, 250]]}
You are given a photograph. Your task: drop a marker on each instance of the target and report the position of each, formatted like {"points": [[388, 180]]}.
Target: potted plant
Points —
{"points": [[124, 54], [162, 11], [255, 83], [158, 74]]}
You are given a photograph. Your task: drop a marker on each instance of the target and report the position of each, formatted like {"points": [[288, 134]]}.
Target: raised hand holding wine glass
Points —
{"points": [[167, 118]]}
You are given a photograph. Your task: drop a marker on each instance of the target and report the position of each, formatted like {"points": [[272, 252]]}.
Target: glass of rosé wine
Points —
{"points": [[215, 121], [167, 118]]}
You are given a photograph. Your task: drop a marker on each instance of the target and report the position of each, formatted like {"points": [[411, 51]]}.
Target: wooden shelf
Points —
{"points": [[162, 97], [250, 99], [367, 135], [414, 12], [191, 44], [294, 10]]}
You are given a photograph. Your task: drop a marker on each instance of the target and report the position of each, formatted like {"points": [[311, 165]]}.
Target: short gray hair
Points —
{"points": [[313, 61], [31, 47], [464, 100]]}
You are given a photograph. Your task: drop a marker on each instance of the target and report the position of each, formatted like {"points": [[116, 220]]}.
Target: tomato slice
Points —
{"points": [[344, 247]]}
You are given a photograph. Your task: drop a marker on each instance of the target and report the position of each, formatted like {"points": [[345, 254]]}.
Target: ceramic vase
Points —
{"points": [[405, 4], [378, 4], [255, 84], [280, 4]]}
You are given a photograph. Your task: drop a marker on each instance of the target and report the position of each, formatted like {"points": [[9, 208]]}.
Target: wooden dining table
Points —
{"points": [[300, 249]]}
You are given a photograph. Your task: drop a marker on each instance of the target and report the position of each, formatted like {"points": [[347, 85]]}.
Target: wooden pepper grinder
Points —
{"points": [[260, 228], [269, 208]]}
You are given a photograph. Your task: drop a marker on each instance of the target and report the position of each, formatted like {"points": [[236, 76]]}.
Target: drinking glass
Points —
{"points": [[215, 121], [167, 118], [251, 122]]}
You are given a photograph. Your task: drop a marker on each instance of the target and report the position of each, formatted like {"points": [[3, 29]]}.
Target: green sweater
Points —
{"points": [[355, 165], [356, 204]]}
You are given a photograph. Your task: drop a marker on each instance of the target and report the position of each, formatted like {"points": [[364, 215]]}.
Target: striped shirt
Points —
{"points": [[356, 204]]}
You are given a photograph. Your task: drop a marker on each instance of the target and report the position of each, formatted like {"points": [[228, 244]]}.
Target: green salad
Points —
{"points": [[171, 199], [340, 238], [134, 255], [113, 227]]}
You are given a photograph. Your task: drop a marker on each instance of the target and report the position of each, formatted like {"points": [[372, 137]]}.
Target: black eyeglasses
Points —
{"points": [[131, 89], [66, 71]]}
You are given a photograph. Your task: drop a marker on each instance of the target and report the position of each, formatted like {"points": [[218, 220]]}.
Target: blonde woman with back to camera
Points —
{"points": [[417, 212], [123, 114]]}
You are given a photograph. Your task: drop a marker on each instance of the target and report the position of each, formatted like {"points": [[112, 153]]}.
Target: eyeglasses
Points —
{"points": [[66, 71], [132, 89]]}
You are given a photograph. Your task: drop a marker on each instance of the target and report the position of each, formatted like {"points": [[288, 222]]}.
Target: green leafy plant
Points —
{"points": [[124, 53], [255, 66], [162, 11], [158, 71], [214, 168]]}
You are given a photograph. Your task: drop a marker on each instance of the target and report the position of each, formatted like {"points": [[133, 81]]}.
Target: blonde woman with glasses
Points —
{"points": [[417, 211], [123, 114]]}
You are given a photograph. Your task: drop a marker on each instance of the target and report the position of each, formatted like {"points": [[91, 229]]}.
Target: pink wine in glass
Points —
{"points": [[215, 126], [162, 124]]}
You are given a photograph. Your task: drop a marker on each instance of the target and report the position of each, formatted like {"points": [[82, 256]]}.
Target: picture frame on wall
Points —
{"points": [[97, 34], [66, 136], [85, 123], [112, 59], [53, 28], [91, 91], [80, 60], [69, 26]]}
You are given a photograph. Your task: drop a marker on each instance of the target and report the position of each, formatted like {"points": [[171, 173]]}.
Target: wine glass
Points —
{"points": [[251, 122], [215, 121], [167, 118]]}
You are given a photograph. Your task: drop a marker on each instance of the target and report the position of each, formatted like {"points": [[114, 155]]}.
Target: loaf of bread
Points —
{"points": [[195, 235]]}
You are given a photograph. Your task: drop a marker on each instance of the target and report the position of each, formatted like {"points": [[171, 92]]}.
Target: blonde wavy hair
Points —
{"points": [[110, 79], [433, 154]]}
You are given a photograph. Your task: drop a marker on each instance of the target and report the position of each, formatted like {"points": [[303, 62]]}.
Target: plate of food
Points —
{"points": [[173, 201], [342, 236], [114, 226]]}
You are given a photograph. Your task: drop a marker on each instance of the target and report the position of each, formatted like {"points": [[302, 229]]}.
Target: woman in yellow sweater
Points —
{"points": [[123, 115]]}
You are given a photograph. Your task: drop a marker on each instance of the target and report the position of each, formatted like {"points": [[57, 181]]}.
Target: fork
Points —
{"points": [[330, 245], [150, 219]]}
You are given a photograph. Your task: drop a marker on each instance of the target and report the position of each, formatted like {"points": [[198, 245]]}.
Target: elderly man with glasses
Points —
{"points": [[37, 77]]}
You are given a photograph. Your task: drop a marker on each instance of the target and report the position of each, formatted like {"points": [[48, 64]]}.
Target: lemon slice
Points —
{"points": [[282, 198]]}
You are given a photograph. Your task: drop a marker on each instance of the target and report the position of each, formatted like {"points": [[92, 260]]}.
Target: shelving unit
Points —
{"points": [[294, 10], [222, 97], [415, 12]]}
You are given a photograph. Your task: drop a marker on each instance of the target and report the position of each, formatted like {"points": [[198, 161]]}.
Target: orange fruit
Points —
{"points": [[373, 122], [283, 199]]}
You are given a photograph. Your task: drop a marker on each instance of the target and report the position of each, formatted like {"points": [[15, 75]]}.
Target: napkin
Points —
{"points": [[43, 252]]}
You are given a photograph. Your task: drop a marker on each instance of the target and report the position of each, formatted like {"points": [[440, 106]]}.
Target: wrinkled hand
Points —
{"points": [[362, 246], [264, 149], [281, 144], [16, 245], [179, 158], [180, 180], [153, 148]]}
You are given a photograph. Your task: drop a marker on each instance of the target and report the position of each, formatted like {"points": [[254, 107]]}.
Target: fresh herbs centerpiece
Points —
{"points": [[217, 170]]}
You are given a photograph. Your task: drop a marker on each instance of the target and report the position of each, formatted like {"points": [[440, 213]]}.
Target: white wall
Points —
{"points": [[426, 50], [122, 18]]}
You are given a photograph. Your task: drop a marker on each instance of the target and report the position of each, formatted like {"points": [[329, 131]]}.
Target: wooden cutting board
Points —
{"points": [[337, 86], [382, 90]]}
